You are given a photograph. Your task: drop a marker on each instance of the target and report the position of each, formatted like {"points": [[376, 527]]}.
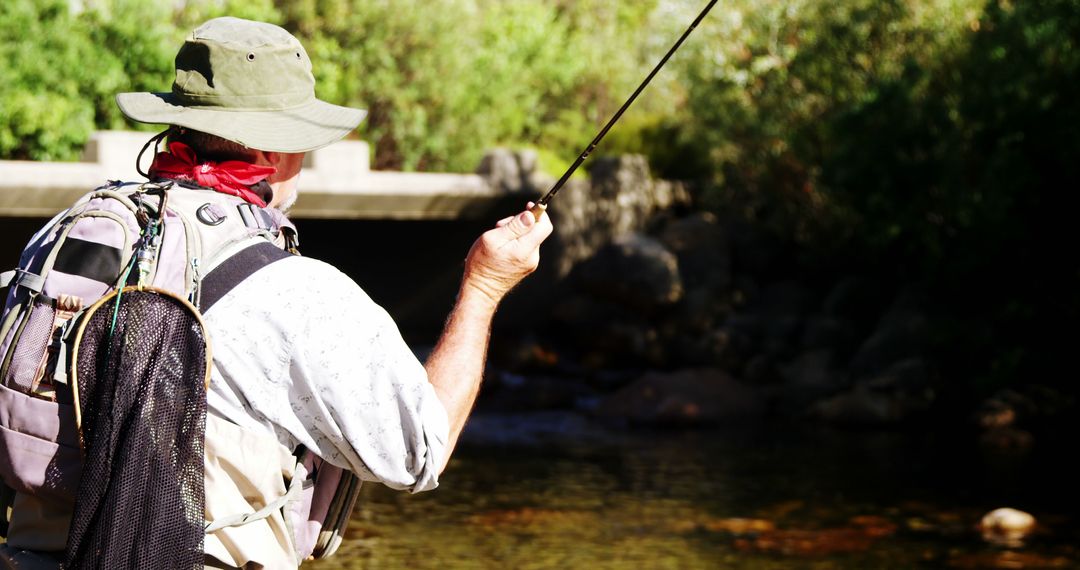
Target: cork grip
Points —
{"points": [[538, 210]]}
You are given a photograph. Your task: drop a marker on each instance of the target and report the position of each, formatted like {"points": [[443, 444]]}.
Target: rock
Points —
{"points": [[607, 333], [898, 393], [761, 370], [701, 246], [515, 392], [709, 348], [779, 334], [863, 405], [732, 347], [1002, 415], [621, 197], [541, 428], [808, 378], [756, 252], [813, 370], [500, 168], [686, 397], [828, 332], [634, 270], [909, 375], [508, 170], [784, 298], [751, 326], [528, 160], [860, 406], [819, 542], [701, 310], [1008, 439], [1006, 527], [899, 334], [1032, 405], [855, 298], [735, 526]]}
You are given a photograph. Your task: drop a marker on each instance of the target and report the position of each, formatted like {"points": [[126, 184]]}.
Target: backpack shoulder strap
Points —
{"points": [[235, 269]]}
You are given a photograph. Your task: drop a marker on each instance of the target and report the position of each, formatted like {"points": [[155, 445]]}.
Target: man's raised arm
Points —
{"points": [[498, 261]]}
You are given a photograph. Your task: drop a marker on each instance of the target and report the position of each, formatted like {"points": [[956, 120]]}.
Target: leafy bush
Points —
{"points": [[63, 68], [442, 81], [930, 142]]}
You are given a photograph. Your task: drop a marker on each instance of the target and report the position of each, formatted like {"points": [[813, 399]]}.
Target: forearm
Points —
{"points": [[456, 366]]}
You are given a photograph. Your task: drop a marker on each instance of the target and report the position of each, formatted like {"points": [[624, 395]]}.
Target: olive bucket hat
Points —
{"points": [[248, 82]]}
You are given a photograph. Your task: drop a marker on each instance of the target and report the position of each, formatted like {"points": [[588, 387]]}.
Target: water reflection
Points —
{"points": [[552, 491]]}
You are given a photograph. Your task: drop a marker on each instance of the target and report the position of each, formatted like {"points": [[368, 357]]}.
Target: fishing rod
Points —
{"points": [[540, 206]]}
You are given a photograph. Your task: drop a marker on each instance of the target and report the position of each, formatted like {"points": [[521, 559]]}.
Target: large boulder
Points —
{"points": [[829, 332], [898, 393], [604, 333], [686, 397], [635, 270], [809, 377], [621, 197], [900, 334], [510, 171], [784, 298], [508, 392], [857, 299], [704, 254]]}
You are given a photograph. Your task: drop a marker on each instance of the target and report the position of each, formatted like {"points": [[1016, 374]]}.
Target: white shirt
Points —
{"points": [[302, 352]]}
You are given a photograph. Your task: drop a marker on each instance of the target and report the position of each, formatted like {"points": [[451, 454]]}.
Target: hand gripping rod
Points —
{"points": [[540, 206]]}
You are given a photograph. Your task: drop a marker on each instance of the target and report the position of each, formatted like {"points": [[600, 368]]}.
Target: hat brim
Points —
{"points": [[299, 129]]}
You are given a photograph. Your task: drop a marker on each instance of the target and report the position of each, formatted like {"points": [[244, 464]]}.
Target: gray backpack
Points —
{"points": [[154, 235]]}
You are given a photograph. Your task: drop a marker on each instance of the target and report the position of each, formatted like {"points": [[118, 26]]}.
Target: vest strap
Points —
{"points": [[22, 278], [296, 485], [235, 269]]}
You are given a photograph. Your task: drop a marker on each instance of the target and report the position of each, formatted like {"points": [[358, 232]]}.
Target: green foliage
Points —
{"points": [[443, 82], [63, 68], [44, 115], [769, 84], [932, 141]]}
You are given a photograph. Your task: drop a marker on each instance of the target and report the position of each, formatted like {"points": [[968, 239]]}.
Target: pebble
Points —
{"points": [[1006, 527]]}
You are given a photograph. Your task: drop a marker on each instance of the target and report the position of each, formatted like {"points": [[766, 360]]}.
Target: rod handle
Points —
{"points": [[538, 210]]}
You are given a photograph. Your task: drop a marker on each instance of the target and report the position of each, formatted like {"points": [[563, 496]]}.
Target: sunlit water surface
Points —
{"points": [[555, 491]]}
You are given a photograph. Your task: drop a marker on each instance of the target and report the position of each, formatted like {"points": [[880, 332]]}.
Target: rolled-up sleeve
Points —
{"points": [[372, 407]]}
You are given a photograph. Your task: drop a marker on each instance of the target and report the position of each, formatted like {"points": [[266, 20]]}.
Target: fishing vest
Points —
{"points": [[265, 505]]}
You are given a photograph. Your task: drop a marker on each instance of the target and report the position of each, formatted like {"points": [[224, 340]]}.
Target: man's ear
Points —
{"points": [[272, 158]]}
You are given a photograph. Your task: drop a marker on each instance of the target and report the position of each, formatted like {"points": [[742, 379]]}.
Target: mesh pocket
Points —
{"points": [[142, 392], [31, 342]]}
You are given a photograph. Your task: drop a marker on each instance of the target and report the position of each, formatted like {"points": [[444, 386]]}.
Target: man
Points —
{"points": [[301, 354]]}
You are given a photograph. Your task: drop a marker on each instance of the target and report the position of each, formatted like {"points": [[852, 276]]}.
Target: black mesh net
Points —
{"points": [[143, 399]]}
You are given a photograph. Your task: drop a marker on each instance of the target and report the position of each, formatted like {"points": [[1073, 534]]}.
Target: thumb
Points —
{"points": [[521, 224]]}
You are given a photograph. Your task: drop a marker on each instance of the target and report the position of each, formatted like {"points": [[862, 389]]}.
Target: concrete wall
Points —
{"points": [[336, 183]]}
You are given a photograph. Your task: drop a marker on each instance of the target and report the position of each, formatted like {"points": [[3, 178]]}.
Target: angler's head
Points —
{"points": [[249, 83]]}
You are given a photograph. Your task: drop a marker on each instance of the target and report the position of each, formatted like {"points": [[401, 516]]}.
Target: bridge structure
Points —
{"points": [[335, 184]]}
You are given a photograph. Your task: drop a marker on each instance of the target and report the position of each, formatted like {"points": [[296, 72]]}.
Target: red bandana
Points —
{"points": [[232, 177]]}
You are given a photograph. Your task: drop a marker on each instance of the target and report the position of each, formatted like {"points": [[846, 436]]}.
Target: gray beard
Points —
{"points": [[288, 204]]}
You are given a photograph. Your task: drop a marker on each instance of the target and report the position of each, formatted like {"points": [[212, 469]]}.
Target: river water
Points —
{"points": [[553, 490]]}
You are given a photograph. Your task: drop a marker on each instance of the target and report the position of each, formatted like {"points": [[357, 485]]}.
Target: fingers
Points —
{"points": [[520, 224], [525, 227]]}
